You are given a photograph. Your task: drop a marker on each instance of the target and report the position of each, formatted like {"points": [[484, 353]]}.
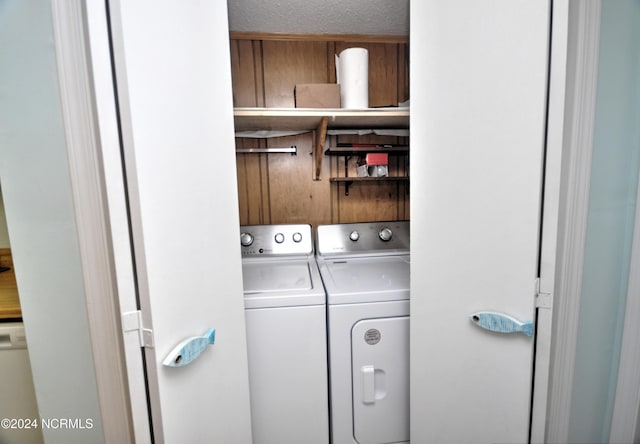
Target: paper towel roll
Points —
{"points": [[352, 73]]}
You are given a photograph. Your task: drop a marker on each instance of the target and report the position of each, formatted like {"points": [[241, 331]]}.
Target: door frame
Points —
{"points": [[576, 125], [577, 140], [558, 47], [88, 109]]}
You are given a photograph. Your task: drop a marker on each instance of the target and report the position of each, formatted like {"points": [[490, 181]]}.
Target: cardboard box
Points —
{"points": [[317, 95]]}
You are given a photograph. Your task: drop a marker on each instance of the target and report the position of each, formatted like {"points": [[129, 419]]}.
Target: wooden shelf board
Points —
{"points": [[9, 300], [368, 179], [308, 119], [349, 181], [359, 38], [347, 151]]}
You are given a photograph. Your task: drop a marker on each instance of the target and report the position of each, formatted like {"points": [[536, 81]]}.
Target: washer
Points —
{"points": [[286, 335], [365, 270]]}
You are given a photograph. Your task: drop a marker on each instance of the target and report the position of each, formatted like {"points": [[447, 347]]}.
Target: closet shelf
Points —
{"points": [[319, 120], [393, 150], [309, 119], [348, 181]]}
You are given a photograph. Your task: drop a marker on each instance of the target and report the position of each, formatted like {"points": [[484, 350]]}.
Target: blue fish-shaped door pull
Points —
{"points": [[501, 323], [189, 349]]}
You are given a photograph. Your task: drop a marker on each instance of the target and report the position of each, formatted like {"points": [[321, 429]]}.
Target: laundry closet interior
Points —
{"points": [[309, 186], [314, 178]]}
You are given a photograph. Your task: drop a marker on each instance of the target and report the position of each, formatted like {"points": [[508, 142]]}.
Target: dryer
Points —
{"points": [[285, 315], [365, 271]]}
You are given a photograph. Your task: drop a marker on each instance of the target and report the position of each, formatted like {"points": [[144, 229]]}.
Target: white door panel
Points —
{"points": [[174, 92], [479, 73]]}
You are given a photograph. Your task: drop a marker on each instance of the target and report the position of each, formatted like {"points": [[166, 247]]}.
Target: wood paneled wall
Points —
{"points": [[279, 188]]}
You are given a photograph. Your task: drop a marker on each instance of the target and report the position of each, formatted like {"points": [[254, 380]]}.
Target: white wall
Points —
{"points": [[40, 215], [612, 201]]}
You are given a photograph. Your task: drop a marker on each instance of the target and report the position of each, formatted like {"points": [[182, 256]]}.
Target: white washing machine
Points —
{"points": [[365, 270], [286, 335]]}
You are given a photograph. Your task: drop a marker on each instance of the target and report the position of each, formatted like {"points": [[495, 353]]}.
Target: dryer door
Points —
{"points": [[380, 375]]}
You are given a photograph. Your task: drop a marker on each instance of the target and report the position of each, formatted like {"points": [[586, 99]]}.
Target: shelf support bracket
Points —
{"points": [[318, 147], [347, 185]]}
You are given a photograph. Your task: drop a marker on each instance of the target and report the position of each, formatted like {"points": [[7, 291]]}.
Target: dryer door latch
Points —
{"points": [[371, 394]]}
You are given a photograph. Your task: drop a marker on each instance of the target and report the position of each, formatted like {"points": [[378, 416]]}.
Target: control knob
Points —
{"points": [[279, 238], [297, 237], [354, 235], [385, 234], [246, 239]]}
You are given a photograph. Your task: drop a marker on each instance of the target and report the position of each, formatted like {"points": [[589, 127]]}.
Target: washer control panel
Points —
{"points": [[288, 239], [369, 237]]}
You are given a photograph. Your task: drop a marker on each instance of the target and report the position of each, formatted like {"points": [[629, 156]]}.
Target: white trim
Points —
{"points": [[98, 38], [166, 225], [551, 210], [135, 218], [626, 410], [582, 68], [91, 217]]}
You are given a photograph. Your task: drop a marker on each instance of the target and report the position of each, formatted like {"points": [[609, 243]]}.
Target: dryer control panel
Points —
{"points": [[369, 238], [287, 239]]}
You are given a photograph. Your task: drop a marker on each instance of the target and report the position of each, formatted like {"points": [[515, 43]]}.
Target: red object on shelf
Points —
{"points": [[377, 158]]}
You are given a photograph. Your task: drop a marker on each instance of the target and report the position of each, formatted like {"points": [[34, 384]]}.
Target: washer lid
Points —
{"points": [[270, 283], [366, 279], [275, 276]]}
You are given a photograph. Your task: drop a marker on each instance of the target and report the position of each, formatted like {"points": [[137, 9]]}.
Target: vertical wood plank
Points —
{"points": [[369, 201], [243, 73], [263, 187], [403, 73], [251, 172], [243, 207], [337, 188], [294, 196], [383, 75], [258, 62], [287, 63]]}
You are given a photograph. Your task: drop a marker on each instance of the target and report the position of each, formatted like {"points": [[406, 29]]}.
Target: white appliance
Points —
{"points": [[17, 395], [365, 270], [286, 335]]}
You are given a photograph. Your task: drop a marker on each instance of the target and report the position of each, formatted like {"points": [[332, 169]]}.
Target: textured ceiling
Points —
{"points": [[383, 17]]}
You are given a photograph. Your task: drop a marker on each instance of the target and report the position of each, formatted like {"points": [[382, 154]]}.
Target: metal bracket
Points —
{"points": [[132, 322], [543, 300], [347, 185]]}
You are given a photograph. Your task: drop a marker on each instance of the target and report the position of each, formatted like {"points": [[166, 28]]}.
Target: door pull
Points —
{"points": [[501, 323], [188, 350]]}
